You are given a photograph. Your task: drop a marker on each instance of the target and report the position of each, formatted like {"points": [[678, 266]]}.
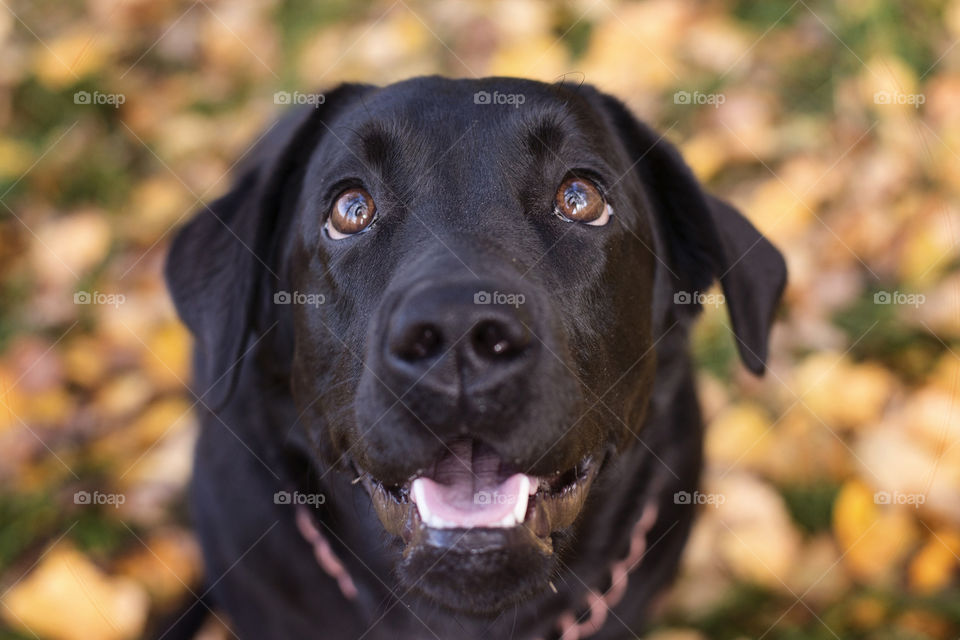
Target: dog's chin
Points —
{"points": [[476, 571], [479, 536]]}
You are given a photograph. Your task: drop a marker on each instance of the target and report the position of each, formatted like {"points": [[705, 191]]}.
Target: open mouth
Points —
{"points": [[470, 487]]}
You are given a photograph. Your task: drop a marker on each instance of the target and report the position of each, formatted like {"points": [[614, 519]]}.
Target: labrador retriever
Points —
{"points": [[441, 360]]}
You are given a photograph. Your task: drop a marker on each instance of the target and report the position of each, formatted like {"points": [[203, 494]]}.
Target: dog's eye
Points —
{"points": [[579, 200], [353, 212]]}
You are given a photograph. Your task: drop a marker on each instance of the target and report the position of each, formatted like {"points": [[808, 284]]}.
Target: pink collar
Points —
{"points": [[324, 554], [570, 627]]}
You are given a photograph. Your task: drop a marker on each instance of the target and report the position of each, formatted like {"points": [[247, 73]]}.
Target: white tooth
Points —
{"points": [[534, 483], [418, 498], [507, 521], [520, 509]]}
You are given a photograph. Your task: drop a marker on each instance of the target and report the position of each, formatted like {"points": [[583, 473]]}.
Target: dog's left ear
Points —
{"points": [[705, 238]]}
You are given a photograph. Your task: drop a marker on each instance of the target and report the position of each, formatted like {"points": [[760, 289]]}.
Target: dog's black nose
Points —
{"points": [[456, 339]]}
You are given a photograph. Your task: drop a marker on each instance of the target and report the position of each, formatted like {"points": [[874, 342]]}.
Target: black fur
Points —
{"points": [[296, 397]]}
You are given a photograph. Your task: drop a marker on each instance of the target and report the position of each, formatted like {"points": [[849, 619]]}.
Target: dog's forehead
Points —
{"points": [[468, 114]]}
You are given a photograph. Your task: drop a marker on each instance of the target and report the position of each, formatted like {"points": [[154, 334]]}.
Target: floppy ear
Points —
{"points": [[224, 262], [706, 238]]}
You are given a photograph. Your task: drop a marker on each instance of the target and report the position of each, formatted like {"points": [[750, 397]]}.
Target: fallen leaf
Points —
{"points": [[874, 539], [67, 597]]}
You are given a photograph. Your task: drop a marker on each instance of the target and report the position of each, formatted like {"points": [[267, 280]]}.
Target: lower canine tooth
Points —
{"points": [[417, 489], [520, 508]]}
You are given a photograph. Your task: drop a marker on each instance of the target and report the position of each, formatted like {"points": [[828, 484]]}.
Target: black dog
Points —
{"points": [[441, 346]]}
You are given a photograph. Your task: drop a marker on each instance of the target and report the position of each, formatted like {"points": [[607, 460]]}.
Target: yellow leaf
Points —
{"points": [[634, 50], [952, 18], [756, 540], [48, 407], [874, 540], [930, 242], [15, 158], [67, 597], [64, 60], [933, 567], [122, 395], [167, 361], [540, 58], [155, 205], [866, 389], [84, 361], [706, 154], [69, 246], [739, 435]]}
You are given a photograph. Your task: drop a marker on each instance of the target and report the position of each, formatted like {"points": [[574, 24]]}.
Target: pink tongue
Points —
{"points": [[466, 490]]}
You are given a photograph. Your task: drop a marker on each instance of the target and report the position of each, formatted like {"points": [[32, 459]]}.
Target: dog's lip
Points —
{"points": [[554, 503]]}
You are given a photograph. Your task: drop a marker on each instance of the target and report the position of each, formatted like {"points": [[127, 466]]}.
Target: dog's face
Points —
{"points": [[478, 271]]}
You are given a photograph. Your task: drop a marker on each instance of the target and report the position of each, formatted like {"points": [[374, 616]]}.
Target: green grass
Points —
{"points": [[909, 350], [811, 506]]}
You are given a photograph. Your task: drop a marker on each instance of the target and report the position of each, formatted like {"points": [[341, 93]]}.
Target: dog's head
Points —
{"points": [[467, 280]]}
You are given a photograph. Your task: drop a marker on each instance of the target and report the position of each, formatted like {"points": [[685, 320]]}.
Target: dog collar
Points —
{"points": [[324, 554], [571, 627]]}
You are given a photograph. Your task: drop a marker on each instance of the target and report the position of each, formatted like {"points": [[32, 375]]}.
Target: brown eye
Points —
{"points": [[579, 200], [353, 212]]}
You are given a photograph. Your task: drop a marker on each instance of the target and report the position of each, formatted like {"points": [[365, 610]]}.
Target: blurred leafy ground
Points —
{"points": [[860, 191]]}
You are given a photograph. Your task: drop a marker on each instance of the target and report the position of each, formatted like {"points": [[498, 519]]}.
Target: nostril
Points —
{"points": [[420, 342], [492, 339]]}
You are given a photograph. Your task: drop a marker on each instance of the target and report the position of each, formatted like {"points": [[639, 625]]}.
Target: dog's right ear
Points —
{"points": [[705, 239], [228, 256]]}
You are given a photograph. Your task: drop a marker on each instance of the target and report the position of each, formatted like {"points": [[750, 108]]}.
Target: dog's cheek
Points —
{"points": [[629, 360], [319, 384]]}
